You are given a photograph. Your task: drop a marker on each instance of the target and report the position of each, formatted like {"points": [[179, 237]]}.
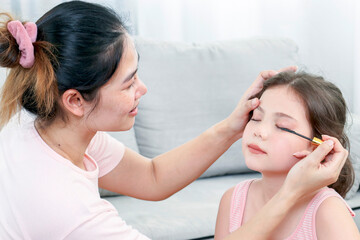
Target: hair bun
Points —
{"points": [[9, 50]]}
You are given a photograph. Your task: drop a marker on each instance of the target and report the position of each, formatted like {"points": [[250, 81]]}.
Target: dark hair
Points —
{"points": [[78, 46], [326, 112]]}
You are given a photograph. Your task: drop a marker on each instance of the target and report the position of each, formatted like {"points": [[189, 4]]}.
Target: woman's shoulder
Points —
{"points": [[17, 134]]}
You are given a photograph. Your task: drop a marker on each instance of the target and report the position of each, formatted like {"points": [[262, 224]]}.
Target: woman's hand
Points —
{"points": [[317, 169], [240, 116]]}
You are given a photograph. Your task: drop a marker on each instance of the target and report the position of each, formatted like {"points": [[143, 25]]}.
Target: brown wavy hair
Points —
{"points": [[326, 112]]}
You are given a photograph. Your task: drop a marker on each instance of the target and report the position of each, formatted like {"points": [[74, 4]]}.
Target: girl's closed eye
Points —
{"points": [[256, 117], [284, 125], [281, 126]]}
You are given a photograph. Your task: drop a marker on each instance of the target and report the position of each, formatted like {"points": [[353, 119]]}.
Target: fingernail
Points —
{"points": [[253, 102], [329, 142]]}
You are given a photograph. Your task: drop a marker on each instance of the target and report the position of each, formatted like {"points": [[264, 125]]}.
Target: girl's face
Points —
{"points": [[268, 149], [120, 96]]}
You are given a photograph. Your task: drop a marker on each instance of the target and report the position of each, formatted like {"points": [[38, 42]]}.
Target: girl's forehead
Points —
{"points": [[283, 99]]}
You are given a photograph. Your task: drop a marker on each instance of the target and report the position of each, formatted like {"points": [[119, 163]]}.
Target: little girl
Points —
{"points": [[311, 106]]}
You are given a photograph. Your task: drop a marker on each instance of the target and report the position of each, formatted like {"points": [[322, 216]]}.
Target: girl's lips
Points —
{"points": [[253, 148]]}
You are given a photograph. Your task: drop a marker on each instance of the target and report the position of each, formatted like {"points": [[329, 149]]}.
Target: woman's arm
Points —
{"points": [[168, 173], [159, 178]]}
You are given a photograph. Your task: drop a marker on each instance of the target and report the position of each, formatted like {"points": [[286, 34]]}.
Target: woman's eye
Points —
{"points": [[132, 84], [255, 119]]}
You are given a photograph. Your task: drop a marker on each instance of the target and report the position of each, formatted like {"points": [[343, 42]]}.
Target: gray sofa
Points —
{"points": [[191, 87]]}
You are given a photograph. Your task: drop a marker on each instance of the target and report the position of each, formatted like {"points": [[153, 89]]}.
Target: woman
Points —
{"points": [[75, 71]]}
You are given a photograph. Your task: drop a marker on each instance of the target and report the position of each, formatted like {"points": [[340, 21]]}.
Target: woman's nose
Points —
{"points": [[141, 90]]}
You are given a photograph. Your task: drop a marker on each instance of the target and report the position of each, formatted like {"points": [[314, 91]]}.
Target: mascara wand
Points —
{"points": [[315, 140]]}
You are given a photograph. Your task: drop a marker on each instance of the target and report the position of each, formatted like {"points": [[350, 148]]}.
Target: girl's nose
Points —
{"points": [[261, 132]]}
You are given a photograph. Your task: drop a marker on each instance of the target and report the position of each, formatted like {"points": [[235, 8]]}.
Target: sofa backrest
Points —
{"points": [[193, 86]]}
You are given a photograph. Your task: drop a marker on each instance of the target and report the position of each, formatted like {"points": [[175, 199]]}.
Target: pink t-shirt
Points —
{"points": [[45, 196], [306, 228]]}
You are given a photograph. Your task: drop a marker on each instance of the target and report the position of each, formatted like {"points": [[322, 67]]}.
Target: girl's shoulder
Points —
{"points": [[241, 189], [333, 217], [226, 220], [232, 194], [328, 197], [237, 204]]}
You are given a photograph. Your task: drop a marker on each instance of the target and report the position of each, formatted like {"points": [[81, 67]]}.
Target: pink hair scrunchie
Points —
{"points": [[25, 35]]}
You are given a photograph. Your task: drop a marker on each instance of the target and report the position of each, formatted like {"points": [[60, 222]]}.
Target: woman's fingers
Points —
{"points": [[240, 116], [257, 85], [317, 169], [339, 153], [289, 69]]}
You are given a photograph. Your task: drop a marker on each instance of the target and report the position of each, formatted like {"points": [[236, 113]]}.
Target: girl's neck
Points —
{"points": [[270, 184], [70, 140]]}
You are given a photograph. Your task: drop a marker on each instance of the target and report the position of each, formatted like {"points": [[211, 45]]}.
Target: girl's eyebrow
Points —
{"points": [[278, 114]]}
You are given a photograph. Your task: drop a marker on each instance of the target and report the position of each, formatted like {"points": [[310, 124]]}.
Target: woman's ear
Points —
{"points": [[73, 102]]}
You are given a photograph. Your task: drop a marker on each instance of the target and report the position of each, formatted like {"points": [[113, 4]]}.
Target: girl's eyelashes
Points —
{"points": [[255, 120], [281, 127]]}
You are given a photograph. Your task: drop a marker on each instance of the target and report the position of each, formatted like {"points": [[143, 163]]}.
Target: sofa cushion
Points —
{"points": [[188, 214], [193, 86]]}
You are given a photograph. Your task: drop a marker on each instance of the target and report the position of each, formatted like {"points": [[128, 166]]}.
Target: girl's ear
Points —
{"points": [[73, 102]]}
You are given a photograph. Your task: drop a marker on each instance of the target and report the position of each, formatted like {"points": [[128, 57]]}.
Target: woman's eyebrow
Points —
{"points": [[130, 76]]}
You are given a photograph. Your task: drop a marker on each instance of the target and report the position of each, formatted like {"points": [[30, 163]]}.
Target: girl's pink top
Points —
{"points": [[305, 229]]}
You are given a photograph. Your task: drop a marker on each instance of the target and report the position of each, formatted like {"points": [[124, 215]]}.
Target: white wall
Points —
{"points": [[326, 31]]}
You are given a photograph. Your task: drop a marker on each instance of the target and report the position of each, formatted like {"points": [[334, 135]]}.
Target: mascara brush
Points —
{"points": [[315, 140]]}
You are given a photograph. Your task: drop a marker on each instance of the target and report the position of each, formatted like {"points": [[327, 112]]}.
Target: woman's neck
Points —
{"points": [[70, 140]]}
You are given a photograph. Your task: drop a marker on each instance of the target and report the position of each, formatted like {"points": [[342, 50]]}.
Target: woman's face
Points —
{"points": [[120, 96], [267, 148]]}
